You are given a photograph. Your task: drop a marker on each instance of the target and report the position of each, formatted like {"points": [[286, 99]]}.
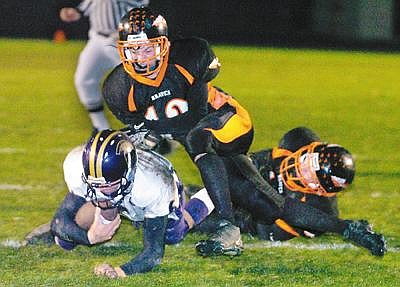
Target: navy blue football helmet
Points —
{"points": [[109, 163], [318, 168]]}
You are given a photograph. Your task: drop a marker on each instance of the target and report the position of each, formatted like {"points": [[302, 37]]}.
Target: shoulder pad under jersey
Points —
{"points": [[196, 56], [115, 92], [73, 170]]}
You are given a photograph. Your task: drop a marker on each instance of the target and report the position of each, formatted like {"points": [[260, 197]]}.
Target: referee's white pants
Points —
{"points": [[98, 57]]}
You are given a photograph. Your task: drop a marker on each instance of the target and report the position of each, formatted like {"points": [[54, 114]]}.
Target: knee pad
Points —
{"points": [[199, 141], [199, 206], [176, 231]]}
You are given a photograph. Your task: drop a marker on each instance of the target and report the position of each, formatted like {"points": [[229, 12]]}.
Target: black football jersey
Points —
{"points": [[175, 104], [269, 169]]}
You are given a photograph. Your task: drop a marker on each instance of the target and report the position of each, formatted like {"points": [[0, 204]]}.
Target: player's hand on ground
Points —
{"points": [[107, 270], [102, 230]]}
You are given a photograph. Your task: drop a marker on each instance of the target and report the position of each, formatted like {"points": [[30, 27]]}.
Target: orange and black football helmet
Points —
{"points": [[142, 31], [318, 168]]}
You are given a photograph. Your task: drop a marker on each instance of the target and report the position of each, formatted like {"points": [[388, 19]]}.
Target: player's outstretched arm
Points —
{"points": [[63, 224], [151, 255]]}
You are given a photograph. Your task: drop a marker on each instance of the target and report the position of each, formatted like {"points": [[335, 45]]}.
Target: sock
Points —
{"points": [[198, 207], [215, 179]]}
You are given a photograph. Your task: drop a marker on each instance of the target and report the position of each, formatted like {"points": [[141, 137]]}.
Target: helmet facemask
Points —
{"points": [[106, 195], [299, 171], [143, 57]]}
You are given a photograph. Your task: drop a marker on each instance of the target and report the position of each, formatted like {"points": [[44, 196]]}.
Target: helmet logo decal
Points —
{"points": [[140, 36], [124, 146], [214, 64], [160, 22]]}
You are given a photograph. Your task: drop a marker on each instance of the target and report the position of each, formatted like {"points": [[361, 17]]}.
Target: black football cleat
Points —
{"points": [[360, 232], [225, 241]]}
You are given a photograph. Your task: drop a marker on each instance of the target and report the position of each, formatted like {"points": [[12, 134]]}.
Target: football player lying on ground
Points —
{"points": [[304, 170], [108, 177]]}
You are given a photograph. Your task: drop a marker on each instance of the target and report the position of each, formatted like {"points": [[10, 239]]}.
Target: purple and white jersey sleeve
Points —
{"points": [[73, 171]]}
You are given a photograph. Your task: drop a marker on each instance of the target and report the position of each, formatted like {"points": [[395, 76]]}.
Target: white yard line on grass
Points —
{"points": [[11, 150], [15, 187], [21, 187], [11, 243], [250, 246]]}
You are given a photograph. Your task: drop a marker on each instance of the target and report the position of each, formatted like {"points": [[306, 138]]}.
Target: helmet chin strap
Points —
{"points": [[143, 69]]}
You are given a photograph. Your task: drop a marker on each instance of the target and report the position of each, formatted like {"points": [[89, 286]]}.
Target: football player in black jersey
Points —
{"points": [[304, 170], [164, 87]]}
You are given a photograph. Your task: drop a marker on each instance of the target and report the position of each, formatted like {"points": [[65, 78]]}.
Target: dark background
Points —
{"points": [[282, 23]]}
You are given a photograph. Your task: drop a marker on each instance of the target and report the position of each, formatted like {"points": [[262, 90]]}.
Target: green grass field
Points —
{"points": [[351, 98]]}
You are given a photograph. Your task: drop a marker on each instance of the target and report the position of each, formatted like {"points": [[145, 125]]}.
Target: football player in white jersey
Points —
{"points": [[109, 177]]}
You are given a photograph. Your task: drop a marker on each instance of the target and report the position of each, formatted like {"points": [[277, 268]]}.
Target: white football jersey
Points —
{"points": [[152, 193]]}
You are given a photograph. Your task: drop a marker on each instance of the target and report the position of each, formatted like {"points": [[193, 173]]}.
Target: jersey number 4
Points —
{"points": [[172, 109]]}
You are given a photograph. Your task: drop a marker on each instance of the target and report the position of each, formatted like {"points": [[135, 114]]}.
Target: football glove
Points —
{"points": [[142, 137]]}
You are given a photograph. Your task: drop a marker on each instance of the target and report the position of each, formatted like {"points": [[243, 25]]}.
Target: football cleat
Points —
{"points": [[225, 241], [360, 232], [40, 235]]}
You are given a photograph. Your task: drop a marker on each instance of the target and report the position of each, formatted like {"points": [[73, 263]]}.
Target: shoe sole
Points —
{"points": [[208, 248]]}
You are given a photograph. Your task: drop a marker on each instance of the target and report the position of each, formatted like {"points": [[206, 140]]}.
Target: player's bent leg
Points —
{"points": [[195, 211], [225, 132], [361, 233], [227, 238], [40, 235]]}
